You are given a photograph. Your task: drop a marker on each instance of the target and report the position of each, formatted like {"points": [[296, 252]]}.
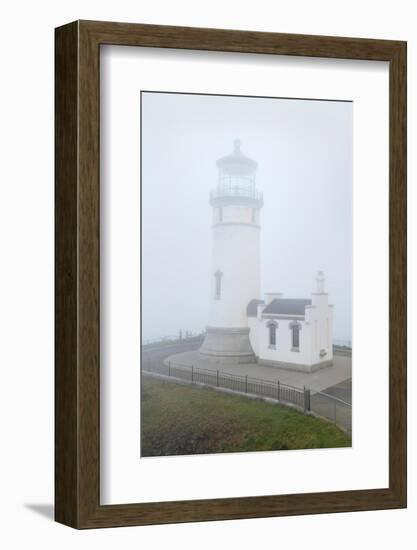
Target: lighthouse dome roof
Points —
{"points": [[236, 163]]}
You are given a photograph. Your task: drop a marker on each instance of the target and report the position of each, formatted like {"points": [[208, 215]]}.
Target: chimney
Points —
{"points": [[269, 296], [259, 310], [320, 283]]}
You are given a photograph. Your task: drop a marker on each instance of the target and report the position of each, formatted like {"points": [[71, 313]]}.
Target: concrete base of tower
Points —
{"points": [[296, 366], [227, 345]]}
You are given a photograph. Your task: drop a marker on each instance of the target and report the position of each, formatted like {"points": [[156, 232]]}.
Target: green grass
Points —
{"points": [[179, 419]]}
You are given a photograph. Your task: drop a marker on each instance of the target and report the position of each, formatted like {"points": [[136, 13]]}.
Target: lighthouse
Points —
{"points": [[235, 268]]}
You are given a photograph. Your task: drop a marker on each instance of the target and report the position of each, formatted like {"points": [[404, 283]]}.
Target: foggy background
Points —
{"points": [[304, 154]]}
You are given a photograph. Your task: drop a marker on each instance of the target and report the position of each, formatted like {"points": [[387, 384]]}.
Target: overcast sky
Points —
{"points": [[304, 154]]}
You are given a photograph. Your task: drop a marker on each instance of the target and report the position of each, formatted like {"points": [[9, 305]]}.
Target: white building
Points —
{"points": [[291, 333]]}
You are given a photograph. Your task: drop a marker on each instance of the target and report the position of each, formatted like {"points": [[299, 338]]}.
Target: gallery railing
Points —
{"points": [[321, 404], [236, 191]]}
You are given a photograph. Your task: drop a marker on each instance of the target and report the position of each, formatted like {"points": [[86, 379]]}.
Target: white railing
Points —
{"points": [[236, 191]]}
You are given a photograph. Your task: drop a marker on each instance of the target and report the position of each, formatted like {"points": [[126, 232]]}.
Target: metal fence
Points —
{"points": [[182, 337], [342, 343], [318, 403], [334, 409]]}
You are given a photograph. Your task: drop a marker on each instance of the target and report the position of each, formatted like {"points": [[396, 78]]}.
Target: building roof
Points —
{"points": [[252, 309], [287, 306]]}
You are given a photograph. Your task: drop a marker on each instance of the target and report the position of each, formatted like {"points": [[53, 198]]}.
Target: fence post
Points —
{"points": [[217, 378], [334, 410], [169, 368], [192, 373], [278, 388], [308, 396], [246, 384], [305, 399]]}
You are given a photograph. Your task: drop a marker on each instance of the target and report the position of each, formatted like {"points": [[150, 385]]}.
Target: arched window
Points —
{"points": [[218, 284], [272, 334], [295, 336]]}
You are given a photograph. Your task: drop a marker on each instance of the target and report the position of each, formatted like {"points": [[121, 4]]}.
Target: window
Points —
{"points": [[272, 337], [218, 282], [295, 336], [253, 215], [220, 214]]}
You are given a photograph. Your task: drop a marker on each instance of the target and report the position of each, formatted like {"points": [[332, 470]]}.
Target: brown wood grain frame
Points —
{"points": [[77, 269]]}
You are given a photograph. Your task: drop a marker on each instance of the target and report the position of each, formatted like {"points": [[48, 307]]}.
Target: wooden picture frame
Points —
{"points": [[77, 360]]}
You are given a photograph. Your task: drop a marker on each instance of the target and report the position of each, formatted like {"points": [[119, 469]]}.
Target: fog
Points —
{"points": [[304, 154]]}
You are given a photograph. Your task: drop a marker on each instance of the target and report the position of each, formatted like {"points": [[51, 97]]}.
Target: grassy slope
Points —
{"points": [[179, 419]]}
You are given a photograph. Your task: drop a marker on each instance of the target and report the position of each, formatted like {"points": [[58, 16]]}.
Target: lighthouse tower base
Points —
{"points": [[227, 345]]}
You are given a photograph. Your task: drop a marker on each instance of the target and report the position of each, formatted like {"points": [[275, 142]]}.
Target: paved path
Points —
{"points": [[342, 391], [316, 381]]}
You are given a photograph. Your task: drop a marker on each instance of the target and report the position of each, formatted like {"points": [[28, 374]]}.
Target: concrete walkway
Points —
{"points": [[316, 381]]}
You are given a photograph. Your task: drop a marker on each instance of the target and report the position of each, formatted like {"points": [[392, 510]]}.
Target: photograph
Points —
{"points": [[246, 273]]}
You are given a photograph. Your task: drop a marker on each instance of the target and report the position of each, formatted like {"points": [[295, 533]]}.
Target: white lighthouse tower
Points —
{"points": [[235, 274]]}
